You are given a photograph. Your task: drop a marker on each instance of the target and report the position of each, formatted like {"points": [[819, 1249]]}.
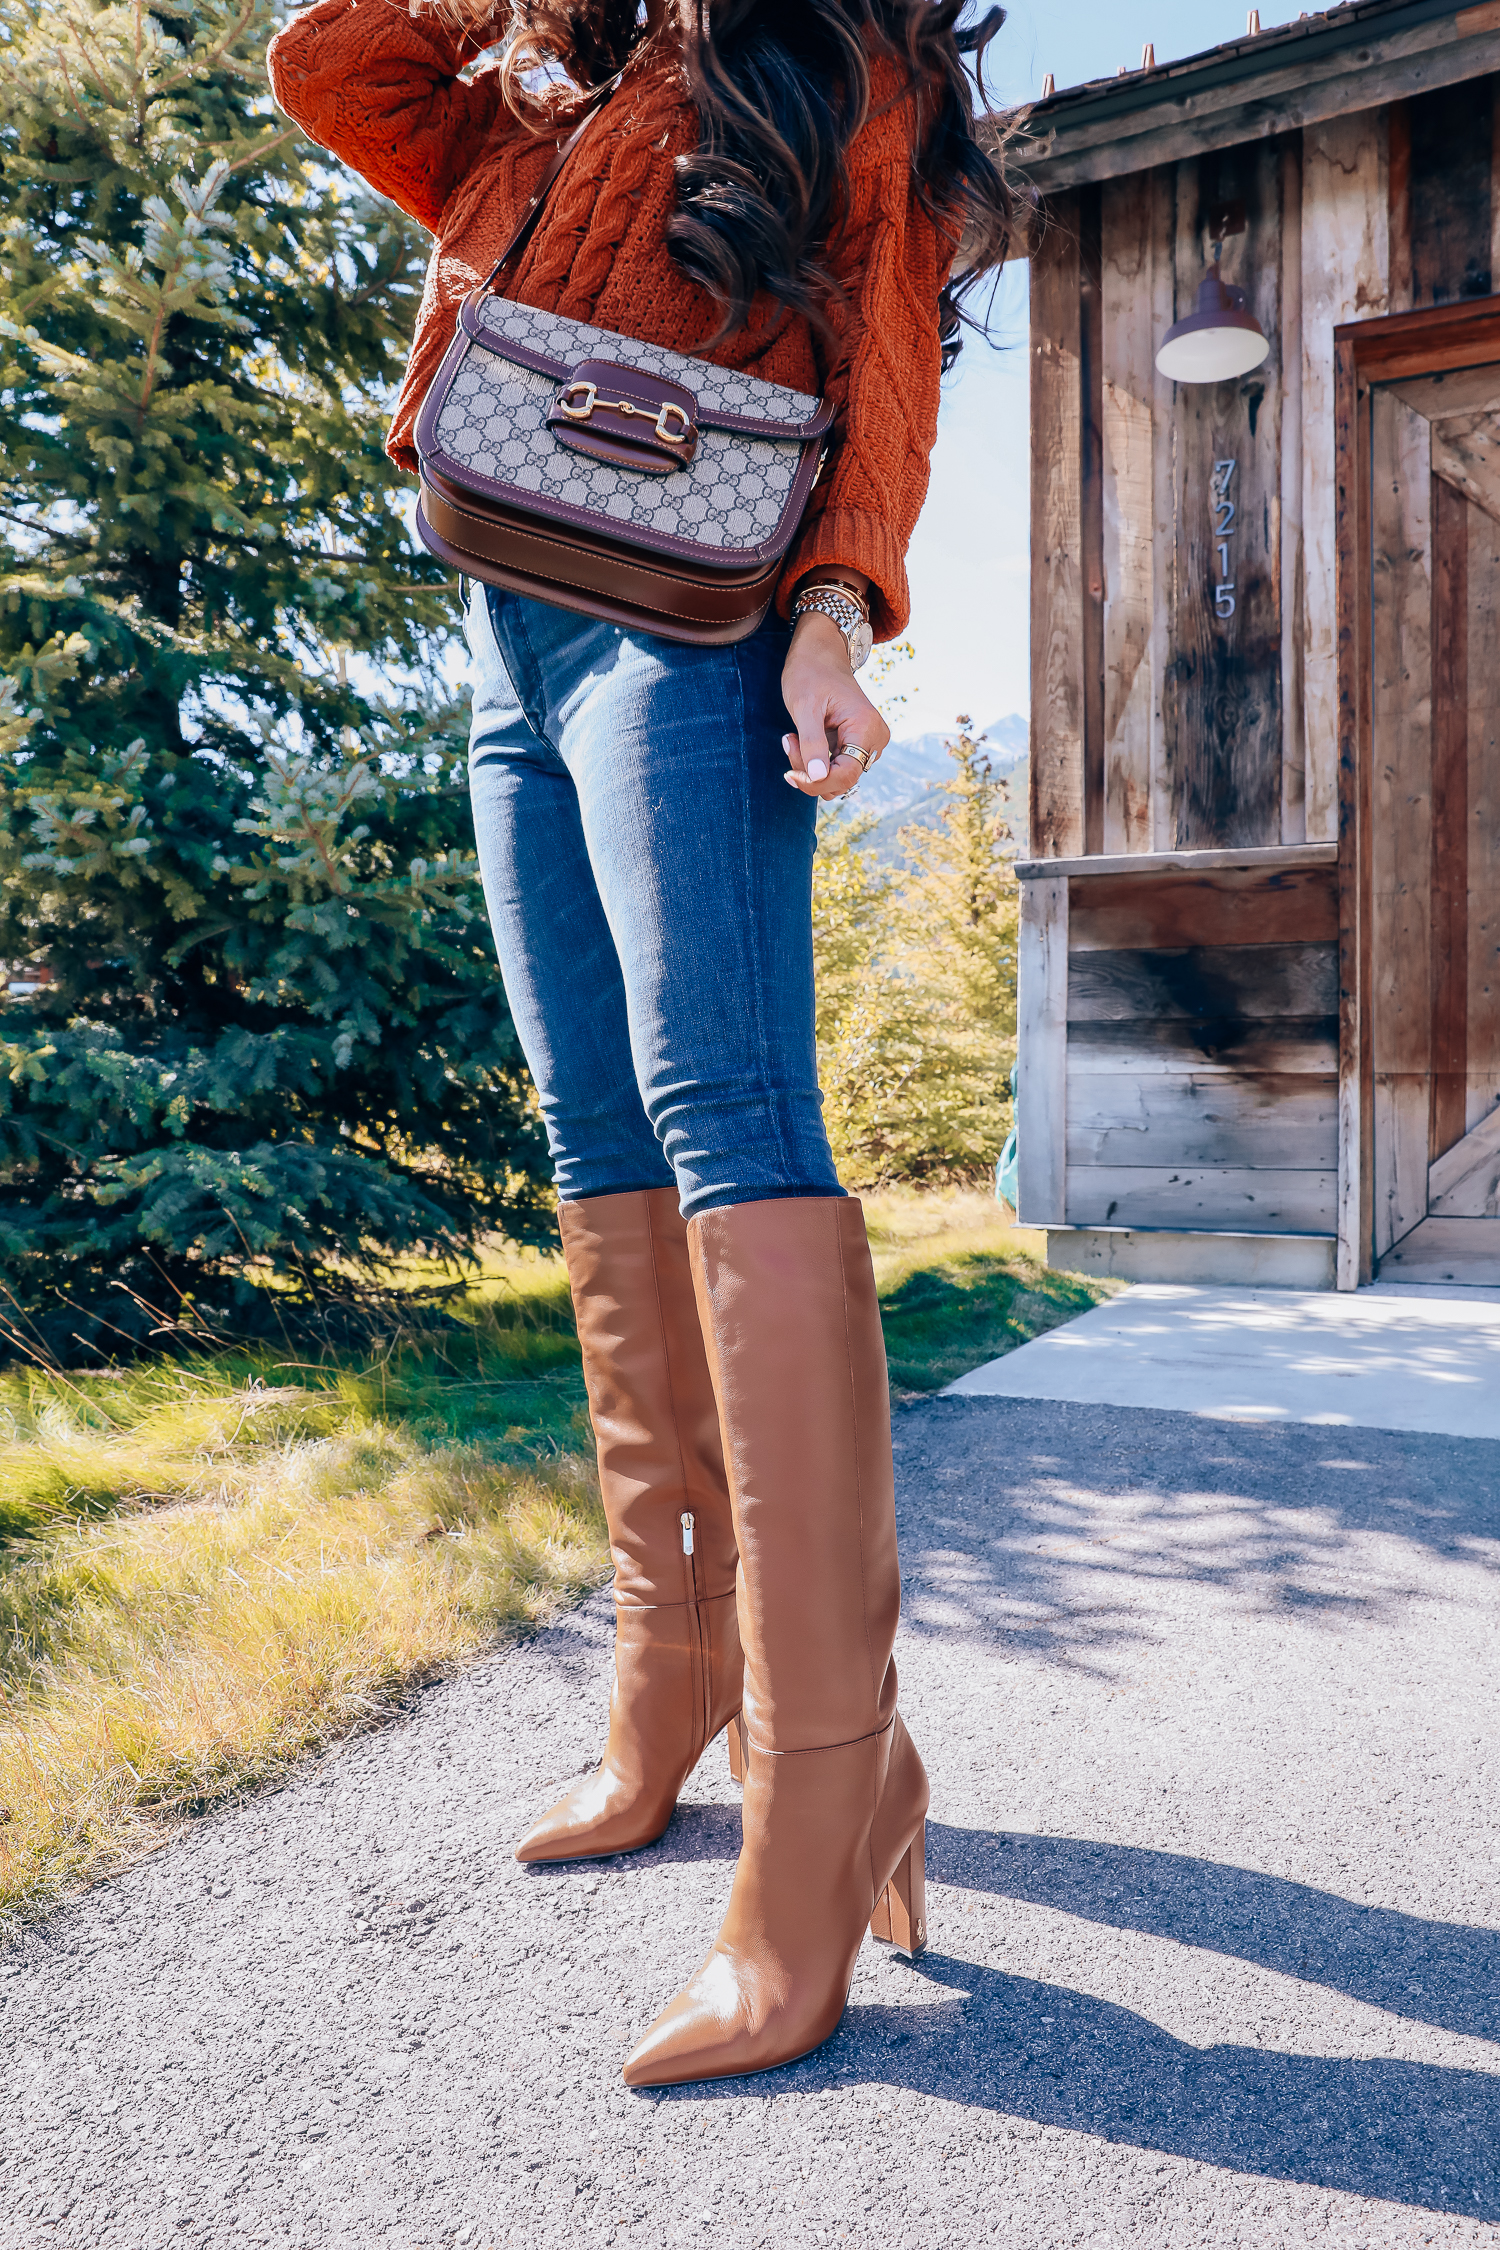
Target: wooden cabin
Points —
{"points": [[1260, 966]]}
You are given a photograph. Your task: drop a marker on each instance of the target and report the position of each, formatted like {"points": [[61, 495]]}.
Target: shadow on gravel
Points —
{"points": [[1404, 2132], [1441, 1973], [1059, 1528]]}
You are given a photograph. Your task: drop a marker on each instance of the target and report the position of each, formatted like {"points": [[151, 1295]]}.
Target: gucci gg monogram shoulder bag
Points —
{"points": [[606, 475]]}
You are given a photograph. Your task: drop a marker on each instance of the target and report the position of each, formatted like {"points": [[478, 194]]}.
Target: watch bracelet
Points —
{"points": [[833, 591], [839, 608]]}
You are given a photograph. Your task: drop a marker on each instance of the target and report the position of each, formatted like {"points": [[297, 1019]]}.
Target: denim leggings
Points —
{"points": [[648, 875]]}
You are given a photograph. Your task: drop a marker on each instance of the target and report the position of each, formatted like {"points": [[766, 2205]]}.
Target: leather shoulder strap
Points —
{"points": [[531, 216]]}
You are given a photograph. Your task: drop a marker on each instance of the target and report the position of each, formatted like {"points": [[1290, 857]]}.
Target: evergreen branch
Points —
{"points": [[80, 110], [79, 31], [258, 150], [72, 363], [153, 346], [379, 280], [28, 301], [84, 545], [209, 58]]}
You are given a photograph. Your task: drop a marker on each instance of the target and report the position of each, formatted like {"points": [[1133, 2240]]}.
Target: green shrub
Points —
{"points": [[917, 985]]}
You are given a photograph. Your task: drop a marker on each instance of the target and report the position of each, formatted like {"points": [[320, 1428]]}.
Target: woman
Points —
{"points": [[778, 186]]}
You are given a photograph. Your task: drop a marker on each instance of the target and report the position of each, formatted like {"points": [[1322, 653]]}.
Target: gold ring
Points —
{"points": [[864, 759]]}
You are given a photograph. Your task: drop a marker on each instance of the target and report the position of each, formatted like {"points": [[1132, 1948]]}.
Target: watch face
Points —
{"points": [[861, 641]]}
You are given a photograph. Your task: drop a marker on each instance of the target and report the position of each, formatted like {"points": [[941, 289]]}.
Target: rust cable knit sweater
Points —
{"points": [[382, 89]]}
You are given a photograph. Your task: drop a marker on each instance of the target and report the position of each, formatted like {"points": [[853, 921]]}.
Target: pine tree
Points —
{"points": [[269, 1044], [873, 1022], [959, 920], [917, 985]]}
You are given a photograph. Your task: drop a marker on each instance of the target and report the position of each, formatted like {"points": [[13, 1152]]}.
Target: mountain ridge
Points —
{"points": [[902, 774], [900, 787]]}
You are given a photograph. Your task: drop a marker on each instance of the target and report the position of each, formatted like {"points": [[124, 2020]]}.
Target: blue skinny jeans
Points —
{"points": [[648, 875]]}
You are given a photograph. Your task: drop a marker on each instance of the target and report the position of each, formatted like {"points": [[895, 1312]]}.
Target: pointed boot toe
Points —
{"points": [[603, 1814], [675, 1666], [828, 1834], [721, 2025], [687, 2038]]}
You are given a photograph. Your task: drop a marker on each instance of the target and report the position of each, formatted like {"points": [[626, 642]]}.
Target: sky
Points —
{"points": [[969, 562]]}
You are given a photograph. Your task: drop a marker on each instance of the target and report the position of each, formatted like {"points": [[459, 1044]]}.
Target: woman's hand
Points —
{"points": [[829, 709]]}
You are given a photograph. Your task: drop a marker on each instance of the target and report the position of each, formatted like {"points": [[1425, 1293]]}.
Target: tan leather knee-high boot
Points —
{"points": [[835, 1794], [678, 1668]]}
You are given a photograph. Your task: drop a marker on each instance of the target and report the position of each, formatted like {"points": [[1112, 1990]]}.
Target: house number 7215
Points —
{"points": [[1223, 512]]}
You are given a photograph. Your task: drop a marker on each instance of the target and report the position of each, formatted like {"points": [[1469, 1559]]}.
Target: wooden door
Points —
{"points": [[1435, 824]]}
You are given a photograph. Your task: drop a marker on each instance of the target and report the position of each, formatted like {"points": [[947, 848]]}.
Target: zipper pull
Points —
{"points": [[687, 1533]]}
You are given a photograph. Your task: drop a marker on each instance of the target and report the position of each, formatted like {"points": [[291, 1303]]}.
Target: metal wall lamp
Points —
{"points": [[1220, 338]]}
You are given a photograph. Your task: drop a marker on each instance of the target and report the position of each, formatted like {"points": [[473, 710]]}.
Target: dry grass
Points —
{"points": [[208, 1586]]}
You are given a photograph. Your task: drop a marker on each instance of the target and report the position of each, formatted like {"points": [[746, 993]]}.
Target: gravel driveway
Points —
{"points": [[1211, 1717]]}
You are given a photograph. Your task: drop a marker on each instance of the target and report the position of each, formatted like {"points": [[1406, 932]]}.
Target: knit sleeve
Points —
{"points": [[381, 89], [891, 261]]}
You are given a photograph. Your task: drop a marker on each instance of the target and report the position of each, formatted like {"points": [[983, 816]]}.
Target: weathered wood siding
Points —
{"points": [[1401, 813], [1221, 696], [1133, 301], [1057, 656], [1484, 817], [1202, 1037], [1042, 1039], [1450, 134], [1196, 629], [1345, 276], [1434, 999], [1157, 723]]}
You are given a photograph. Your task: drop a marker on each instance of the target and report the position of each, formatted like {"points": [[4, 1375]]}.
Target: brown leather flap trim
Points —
{"points": [[621, 415], [536, 551], [817, 425]]}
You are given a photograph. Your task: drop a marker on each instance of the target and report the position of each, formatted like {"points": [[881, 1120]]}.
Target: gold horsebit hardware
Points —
{"points": [[589, 392]]}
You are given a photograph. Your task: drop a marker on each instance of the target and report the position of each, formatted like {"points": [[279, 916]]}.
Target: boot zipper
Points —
{"points": [[690, 1561]]}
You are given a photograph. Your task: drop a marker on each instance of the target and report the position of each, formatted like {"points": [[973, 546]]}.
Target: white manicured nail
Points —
{"points": [[816, 770]]}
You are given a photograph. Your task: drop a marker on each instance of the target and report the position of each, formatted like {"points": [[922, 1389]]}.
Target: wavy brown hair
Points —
{"points": [[782, 87]]}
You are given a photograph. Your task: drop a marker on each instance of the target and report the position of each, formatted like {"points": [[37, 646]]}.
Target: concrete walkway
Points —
{"points": [[1393, 1358], [1212, 1714]]}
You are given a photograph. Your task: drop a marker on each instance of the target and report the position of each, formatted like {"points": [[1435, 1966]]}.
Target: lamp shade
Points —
{"points": [[1219, 339]]}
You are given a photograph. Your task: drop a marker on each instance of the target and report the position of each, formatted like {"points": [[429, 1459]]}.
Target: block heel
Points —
{"points": [[900, 1916], [738, 1747]]}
